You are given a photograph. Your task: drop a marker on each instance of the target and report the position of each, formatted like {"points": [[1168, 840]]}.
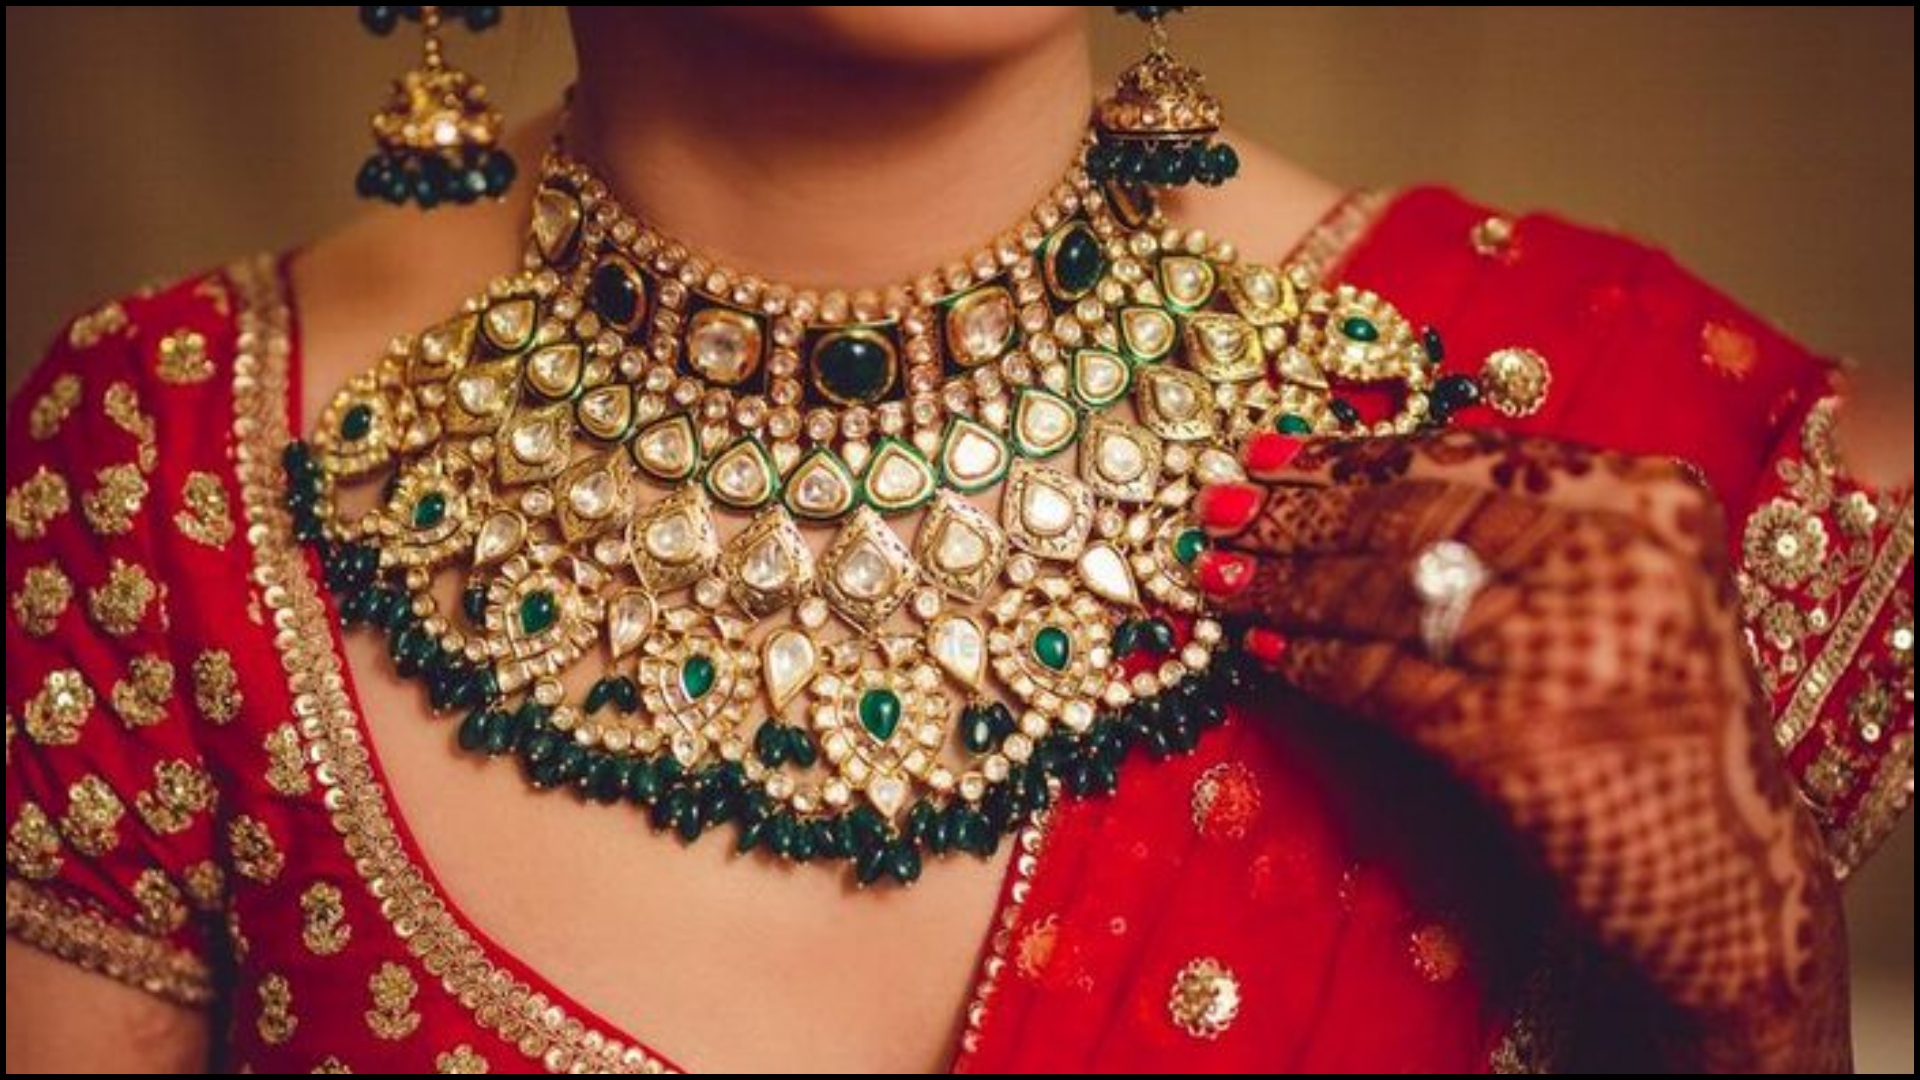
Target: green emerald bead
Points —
{"points": [[358, 421], [770, 744], [498, 738], [976, 729], [607, 780], [1292, 424], [854, 368], [473, 604], [1126, 638], [472, 734], [696, 677], [538, 610], [643, 781], [1052, 647], [1359, 328], [880, 713], [599, 694], [1077, 262], [903, 862], [800, 749], [1188, 545], [430, 510], [1160, 633]]}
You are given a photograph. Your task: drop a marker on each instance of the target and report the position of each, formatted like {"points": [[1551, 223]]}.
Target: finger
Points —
{"points": [[1365, 597], [1377, 679], [1662, 493], [1507, 532]]}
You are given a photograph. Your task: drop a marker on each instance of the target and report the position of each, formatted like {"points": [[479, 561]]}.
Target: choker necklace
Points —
{"points": [[869, 575]]}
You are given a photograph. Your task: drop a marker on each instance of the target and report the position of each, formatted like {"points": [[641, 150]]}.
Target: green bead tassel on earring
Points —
{"points": [[437, 137], [1158, 127]]}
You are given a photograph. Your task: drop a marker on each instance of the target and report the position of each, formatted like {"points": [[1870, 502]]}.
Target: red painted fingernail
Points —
{"points": [[1266, 645], [1223, 573], [1269, 452], [1228, 507]]}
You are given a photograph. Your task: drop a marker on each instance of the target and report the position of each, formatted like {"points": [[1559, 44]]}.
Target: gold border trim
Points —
{"points": [[1028, 842], [1825, 672], [96, 943], [1326, 247], [543, 1030]]}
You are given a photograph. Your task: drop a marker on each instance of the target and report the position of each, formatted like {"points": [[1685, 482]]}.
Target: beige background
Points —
{"points": [[1772, 149]]}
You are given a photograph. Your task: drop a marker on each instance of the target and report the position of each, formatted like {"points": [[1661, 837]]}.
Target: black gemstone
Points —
{"points": [[854, 367], [1455, 392], [1076, 262], [615, 295]]}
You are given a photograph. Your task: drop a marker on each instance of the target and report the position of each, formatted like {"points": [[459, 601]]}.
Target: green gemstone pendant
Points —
{"points": [[1052, 647], [538, 610], [696, 677], [880, 713]]}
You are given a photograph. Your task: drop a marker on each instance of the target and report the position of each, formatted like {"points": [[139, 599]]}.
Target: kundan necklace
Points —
{"points": [[868, 575]]}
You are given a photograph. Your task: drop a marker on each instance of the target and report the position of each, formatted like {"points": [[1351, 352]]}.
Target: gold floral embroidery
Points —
{"points": [[183, 358], [122, 406], [121, 602], [141, 698], [206, 886], [237, 942], [254, 853], [216, 688], [392, 1016], [12, 730], [98, 944], [1820, 571], [1205, 998], [55, 713], [33, 844], [1492, 238], [54, 406], [1727, 349], [1034, 950], [205, 517], [461, 1060], [1436, 952], [92, 328], [331, 1065], [116, 499], [286, 769], [162, 909], [1226, 801], [33, 503], [1784, 544], [92, 821], [180, 790], [520, 1015], [45, 592], [213, 289], [324, 926], [277, 1021]]}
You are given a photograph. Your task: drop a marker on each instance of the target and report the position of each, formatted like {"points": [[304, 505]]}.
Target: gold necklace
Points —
{"points": [[622, 452]]}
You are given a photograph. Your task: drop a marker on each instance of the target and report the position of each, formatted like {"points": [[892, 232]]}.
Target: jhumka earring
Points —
{"points": [[1158, 126], [437, 136]]}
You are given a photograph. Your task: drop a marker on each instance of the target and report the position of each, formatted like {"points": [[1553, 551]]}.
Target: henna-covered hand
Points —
{"points": [[1597, 694]]}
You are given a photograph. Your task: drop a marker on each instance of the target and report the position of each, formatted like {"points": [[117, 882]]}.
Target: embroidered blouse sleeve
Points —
{"points": [[111, 845], [1826, 584]]}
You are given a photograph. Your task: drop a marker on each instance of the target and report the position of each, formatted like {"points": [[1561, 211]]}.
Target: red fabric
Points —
{"points": [[1369, 914]]}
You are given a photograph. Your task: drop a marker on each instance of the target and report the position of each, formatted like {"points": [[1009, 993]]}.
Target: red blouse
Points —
{"points": [[197, 809]]}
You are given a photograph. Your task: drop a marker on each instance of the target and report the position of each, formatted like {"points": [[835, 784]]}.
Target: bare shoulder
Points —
{"points": [[1263, 211], [392, 270]]}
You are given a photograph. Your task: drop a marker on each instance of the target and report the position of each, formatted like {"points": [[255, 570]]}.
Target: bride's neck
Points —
{"points": [[819, 169]]}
